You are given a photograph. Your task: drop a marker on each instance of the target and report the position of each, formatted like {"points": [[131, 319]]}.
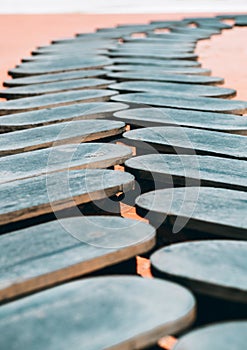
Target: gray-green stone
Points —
{"points": [[69, 156], [97, 313], [57, 134], [204, 209], [53, 100], [190, 141], [214, 267], [181, 101]]}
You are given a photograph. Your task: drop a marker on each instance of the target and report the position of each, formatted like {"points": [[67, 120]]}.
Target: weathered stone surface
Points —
{"points": [[221, 336], [181, 101], [80, 111], [111, 307], [47, 254], [55, 77], [155, 62], [148, 117], [175, 78], [193, 264], [188, 169], [57, 134], [73, 156], [169, 139], [54, 100], [33, 197], [89, 62], [159, 55], [186, 89], [158, 70], [204, 209], [49, 88]]}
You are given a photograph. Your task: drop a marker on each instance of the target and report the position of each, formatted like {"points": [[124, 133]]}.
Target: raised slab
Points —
{"points": [[80, 111], [57, 134], [181, 101], [173, 78], [73, 156], [204, 209], [68, 248], [100, 313], [169, 139], [156, 70], [154, 54], [155, 62], [55, 77], [89, 62], [153, 49], [49, 88], [53, 100], [44, 194], [186, 89], [166, 38], [215, 267], [157, 46], [188, 170], [64, 56], [148, 117], [221, 336]]}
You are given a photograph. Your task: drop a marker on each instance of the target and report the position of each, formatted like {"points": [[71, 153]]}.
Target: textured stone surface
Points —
{"points": [[55, 77], [73, 156], [49, 88], [181, 101], [113, 308], [57, 134], [175, 78], [205, 209], [186, 89], [221, 336], [147, 117], [194, 264], [155, 62], [51, 253], [188, 141], [53, 100], [89, 62], [92, 110], [28, 198], [156, 70]]}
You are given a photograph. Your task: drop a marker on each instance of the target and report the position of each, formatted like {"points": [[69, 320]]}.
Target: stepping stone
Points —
{"points": [[154, 38], [188, 170], [78, 309], [241, 21], [80, 111], [57, 134], [186, 89], [181, 101], [198, 32], [207, 210], [163, 50], [73, 156], [221, 336], [159, 55], [51, 193], [158, 69], [49, 78], [75, 47], [155, 62], [54, 100], [49, 88], [68, 248], [29, 69], [173, 78], [209, 23], [62, 56], [215, 267], [169, 45], [169, 139], [148, 117]]}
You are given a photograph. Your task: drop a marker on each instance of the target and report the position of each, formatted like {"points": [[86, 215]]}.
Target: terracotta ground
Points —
{"points": [[224, 54]]}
